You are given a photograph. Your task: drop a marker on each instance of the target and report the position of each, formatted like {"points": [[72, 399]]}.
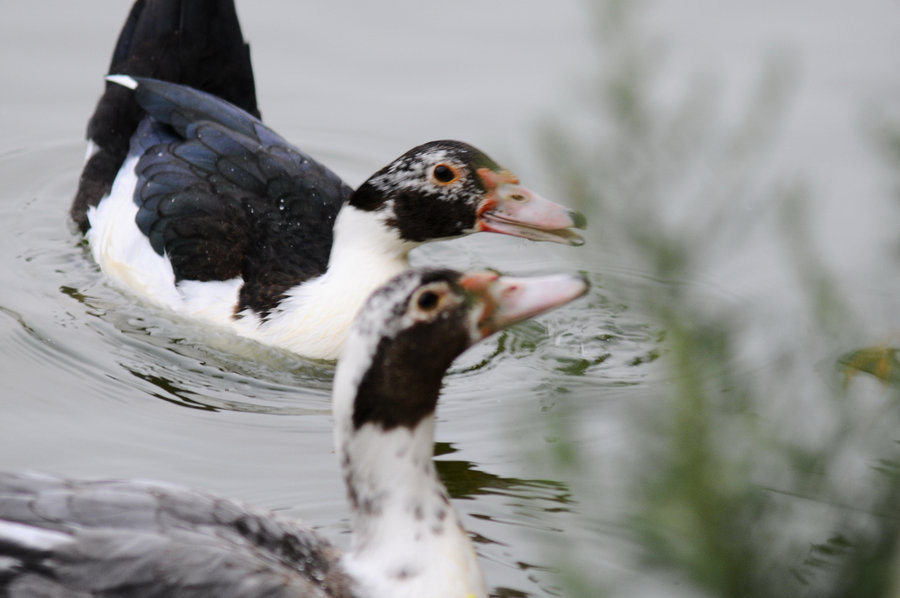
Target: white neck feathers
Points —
{"points": [[407, 538], [364, 236]]}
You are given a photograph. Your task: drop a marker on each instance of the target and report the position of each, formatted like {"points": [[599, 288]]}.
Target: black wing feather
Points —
{"points": [[222, 195], [193, 42]]}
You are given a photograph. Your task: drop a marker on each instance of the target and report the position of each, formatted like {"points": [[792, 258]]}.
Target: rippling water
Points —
{"points": [[97, 383]]}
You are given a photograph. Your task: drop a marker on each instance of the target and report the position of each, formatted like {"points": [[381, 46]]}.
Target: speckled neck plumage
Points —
{"points": [[407, 538]]}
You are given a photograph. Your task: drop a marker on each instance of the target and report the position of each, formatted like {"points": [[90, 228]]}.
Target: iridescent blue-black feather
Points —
{"points": [[222, 195]]}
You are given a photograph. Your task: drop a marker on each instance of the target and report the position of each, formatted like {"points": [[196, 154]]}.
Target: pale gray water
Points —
{"points": [[95, 383]]}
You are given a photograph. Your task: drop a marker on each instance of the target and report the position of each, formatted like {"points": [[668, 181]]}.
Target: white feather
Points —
{"points": [[121, 249], [31, 537], [406, 550], [123, 80], [91, 149]]}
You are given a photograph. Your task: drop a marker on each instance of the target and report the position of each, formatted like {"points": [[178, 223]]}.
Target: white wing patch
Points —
{"points": [[125, 255], [122, 250]]}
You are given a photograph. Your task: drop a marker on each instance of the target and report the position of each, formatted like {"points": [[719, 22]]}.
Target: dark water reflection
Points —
{"points": [[464, 480]]}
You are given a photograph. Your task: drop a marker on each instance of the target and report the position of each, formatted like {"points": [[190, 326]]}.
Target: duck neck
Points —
{"points": [[362, 239], [314, 318], [407, 538]]}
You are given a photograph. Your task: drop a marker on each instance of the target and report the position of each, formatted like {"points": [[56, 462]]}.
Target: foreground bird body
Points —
{"points": [[108, 538], [191, 201]]}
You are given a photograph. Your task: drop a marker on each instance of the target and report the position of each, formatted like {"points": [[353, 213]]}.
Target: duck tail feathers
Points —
{"points": [[198, 43]]}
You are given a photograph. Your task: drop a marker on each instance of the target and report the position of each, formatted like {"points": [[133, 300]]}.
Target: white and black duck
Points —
{"points": [[61, 537], [187, 198]]}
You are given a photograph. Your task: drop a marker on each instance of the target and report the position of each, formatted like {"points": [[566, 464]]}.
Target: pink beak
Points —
{"points": [[508, 299], [512, 209]]}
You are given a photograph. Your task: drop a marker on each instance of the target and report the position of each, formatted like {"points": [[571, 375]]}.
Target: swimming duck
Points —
{"points": [[188, 199], [116, 538]]}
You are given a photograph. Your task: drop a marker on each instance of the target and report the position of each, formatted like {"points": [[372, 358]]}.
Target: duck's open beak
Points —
{"points": [[513, 209], [506, 300]]}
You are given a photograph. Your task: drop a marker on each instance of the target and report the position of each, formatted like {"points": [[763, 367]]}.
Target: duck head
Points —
{"points": [[445, 189], [413, 327]]}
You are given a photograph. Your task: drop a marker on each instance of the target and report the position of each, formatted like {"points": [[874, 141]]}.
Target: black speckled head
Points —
{"points": [[448, 188], [412, 328], [415, 326], [433, 191]]}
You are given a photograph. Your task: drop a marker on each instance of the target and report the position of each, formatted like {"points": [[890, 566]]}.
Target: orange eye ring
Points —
{"points": [[444, 174]]}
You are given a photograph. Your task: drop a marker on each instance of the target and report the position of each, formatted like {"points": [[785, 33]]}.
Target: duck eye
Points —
{"points": [[428, 300], [444, 174]]}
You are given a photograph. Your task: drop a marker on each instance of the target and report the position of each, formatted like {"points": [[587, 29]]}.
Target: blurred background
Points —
{"points": [[717, 418], [754, 149]]}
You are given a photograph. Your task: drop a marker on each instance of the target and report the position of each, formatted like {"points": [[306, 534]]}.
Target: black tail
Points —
{"points": [[193, 42]]}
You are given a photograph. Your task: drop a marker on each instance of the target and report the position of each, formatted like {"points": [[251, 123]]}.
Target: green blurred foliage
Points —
{"points": [[769, 481]]}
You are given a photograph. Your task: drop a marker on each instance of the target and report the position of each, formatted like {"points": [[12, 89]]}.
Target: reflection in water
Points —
{"points": [[183, 396], [200, 368], [173, 393], [464, 480], [545, 500]]}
